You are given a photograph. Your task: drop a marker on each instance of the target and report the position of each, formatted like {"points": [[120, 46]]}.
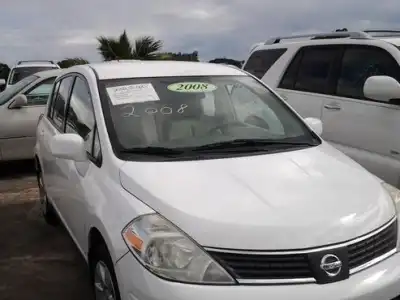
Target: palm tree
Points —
{"points": [[69, 62], [143, 48]]}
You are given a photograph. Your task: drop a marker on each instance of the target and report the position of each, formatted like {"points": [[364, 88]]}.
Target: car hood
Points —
{"points": [[289, 200]]}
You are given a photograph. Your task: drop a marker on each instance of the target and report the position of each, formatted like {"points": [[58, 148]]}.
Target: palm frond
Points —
{"points": [[105, 48], [146, 47]]}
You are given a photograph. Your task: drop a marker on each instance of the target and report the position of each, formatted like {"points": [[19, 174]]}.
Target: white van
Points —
{"points": [[349, 80], [25, 68]]}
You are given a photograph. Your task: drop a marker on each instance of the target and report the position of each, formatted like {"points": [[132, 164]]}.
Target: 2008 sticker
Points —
{"points": [[192, 87]]}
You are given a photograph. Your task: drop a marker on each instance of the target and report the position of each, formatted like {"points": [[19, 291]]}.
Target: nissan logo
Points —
{"points": [[331, 264]]}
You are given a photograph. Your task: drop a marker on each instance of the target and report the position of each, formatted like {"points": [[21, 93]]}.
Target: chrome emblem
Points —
{"points": [[331, 264]]}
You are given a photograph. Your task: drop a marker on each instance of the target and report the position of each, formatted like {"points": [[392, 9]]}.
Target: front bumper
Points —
{"points": [[380, 282]]}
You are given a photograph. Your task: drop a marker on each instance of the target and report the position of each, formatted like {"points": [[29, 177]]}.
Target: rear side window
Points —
{"points": [[311, 70], [60, 101], [262, 60]]}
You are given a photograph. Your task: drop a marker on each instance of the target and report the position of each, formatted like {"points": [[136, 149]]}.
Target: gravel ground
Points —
{"points": [[37, 262]]}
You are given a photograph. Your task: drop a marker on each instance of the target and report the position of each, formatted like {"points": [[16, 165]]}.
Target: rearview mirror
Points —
{"points": [[2, 82], [315, 124], [18, 101], [68, 146], [382, 88]]}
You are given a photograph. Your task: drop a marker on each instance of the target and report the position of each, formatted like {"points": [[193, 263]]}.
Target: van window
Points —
{"points": [[262, 60], [361, 62], [20, 73], [310, 70]]}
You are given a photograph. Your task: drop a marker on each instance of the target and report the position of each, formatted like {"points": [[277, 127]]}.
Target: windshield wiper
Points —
{"points": [[157, 151], [250, 144]]}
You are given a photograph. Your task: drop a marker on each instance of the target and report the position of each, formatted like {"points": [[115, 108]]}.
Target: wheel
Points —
{"points": [[47, 210], [104, 280]]}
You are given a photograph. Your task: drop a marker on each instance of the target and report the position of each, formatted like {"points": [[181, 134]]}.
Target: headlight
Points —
{"points": [[394, 193], [166, 251]]}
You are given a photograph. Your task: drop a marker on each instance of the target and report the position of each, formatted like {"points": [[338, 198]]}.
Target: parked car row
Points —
{"points": [[182, 180]]}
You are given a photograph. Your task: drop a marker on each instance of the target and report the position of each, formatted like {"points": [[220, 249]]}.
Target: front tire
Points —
{"points": [[103, 278], [47, 210]]}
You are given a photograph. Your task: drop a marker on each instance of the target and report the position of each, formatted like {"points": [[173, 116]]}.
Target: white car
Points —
{"points": [[173, 185], [349, 80], [25, 68]]}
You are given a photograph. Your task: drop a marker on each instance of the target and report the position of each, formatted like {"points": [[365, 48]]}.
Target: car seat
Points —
{"points": [[190, 122]]}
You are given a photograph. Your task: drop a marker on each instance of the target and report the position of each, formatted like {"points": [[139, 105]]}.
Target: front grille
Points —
{"points": [[296, 267], [253, 266], [373, 247]]}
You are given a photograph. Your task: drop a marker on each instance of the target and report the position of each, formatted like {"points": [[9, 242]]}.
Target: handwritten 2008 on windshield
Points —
{"points": [[129, 110]]}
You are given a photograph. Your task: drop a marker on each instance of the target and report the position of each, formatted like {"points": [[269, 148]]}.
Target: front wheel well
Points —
{"points": [[95, 239], [37, 164]]}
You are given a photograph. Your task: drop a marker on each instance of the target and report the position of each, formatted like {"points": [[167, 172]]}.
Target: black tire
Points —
{"points": [[47, 210], [100, 255]]}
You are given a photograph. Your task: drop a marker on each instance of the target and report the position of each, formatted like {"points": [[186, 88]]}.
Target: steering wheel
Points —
{"points": [[222, 127]]}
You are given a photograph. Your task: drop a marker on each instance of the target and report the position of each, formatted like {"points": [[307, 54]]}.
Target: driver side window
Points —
{"points": [[252, 110], [40, 93]]}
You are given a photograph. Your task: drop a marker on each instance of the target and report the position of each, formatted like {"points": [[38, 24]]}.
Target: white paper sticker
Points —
{"points": [[134, 93]]}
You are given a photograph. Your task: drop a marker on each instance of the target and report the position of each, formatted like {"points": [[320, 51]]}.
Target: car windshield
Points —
{"points": [[13, 90], [22, 72], [193, 112]]}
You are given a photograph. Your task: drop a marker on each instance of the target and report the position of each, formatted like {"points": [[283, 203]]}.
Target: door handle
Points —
{"points": [[332, 106]]}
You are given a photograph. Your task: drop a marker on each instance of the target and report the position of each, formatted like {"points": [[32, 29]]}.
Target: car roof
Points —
{"points": [[140, 69], [394, 41]]}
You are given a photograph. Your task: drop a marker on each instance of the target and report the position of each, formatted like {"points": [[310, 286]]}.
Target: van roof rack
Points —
{"points": [[29, 61], [382, 32], [319, 36]]}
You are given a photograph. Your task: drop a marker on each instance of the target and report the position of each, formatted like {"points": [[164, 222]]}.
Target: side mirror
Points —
{"points": [[68, 146], [382, 88], [18, 101], [315, 124]]}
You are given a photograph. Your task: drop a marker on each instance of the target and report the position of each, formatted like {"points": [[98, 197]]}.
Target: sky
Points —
{"points": [[55, 29]]}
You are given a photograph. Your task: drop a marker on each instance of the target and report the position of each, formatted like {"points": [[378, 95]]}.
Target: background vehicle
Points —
{"points": [[25, 68], [20, 108], [350, 80]]}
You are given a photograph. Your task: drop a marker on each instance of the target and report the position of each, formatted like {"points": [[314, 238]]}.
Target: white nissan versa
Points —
{"points": [[181, 180]]}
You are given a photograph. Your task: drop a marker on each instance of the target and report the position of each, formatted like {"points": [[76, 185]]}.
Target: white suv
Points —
{"points": [[349, 80], [25, 68]]}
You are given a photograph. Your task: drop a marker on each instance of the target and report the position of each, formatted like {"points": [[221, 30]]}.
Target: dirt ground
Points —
{"points": [[37, 262]]}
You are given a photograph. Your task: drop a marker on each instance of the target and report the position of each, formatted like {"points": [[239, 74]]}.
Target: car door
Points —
{"points": [[52, 124], [18, 125], [366, 130], [307, 80], [80, 120]]}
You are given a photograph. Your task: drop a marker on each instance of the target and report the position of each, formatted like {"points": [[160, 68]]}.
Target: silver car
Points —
{"points": [[20, 108]]}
